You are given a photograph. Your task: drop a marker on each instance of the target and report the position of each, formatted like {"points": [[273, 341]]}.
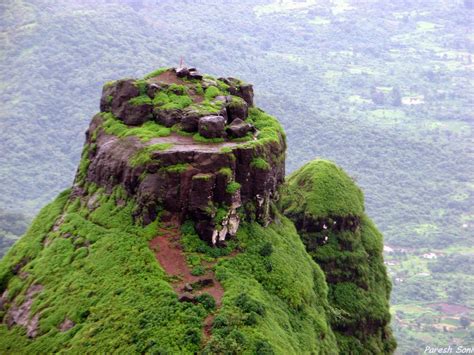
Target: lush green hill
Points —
{"points": [[96, 270], [332, 74], [180, 247], [328, 211]]}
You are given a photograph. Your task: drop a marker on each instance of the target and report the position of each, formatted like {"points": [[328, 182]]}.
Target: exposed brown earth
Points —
{"points": [[169, 77], [186, 143], [169, 254], [20, 314]]}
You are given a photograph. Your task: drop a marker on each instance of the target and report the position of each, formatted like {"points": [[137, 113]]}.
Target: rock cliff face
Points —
{"points": [[181, 236], [214, 158]]}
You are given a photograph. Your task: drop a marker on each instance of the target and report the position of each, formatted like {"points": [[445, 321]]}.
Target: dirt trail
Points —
{"points": [[169, 254]]}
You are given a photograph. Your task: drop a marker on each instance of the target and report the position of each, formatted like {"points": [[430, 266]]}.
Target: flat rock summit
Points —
{"points": [[213, 151]]}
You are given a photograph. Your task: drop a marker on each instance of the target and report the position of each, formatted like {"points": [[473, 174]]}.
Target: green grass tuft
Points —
{"points": [[198, 138], [140, 100], [177, 168], [260, 163], [232, 187], [145, 132], [143, 156]]}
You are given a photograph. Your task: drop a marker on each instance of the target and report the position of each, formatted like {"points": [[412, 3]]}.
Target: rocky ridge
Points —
{"points": [[187, 145]]}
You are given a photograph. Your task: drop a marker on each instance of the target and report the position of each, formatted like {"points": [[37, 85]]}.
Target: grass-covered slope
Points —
{"points": [[322, 189], [96, 273], [328, 209]]}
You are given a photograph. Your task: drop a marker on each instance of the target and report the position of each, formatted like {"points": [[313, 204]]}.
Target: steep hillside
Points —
{"points": [[328, 211], [170, 239]]}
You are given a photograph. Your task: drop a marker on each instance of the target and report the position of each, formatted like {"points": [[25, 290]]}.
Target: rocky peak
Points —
{"points": [[186, 146]]}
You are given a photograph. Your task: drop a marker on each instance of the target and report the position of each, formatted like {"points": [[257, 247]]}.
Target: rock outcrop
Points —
{"points": [[208, 177]]}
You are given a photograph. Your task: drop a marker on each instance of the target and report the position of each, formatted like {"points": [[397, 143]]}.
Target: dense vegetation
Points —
{"points": [[348, 247], [97, 270], [382, 88]]}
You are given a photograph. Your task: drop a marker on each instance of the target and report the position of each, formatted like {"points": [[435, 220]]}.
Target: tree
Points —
{"points": [[465, 322]]}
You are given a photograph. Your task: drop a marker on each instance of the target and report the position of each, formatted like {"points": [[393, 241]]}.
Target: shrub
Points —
{"points": [[260, 163], [266, 250], [207, 301], [198, 270]]}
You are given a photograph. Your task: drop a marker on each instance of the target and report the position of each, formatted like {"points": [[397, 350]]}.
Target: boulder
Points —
{"points": [[153, 89], [246, 93], [190, 120], [238, 128], [169, 117], [182, 72], [186, 297], [108, 93], [124, 90], [237, 88], [237, 108], [212, 126], [116, 99], [201, 193], [195, 75], [132, 114]]}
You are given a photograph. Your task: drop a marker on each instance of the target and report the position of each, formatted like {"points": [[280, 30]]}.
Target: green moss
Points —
{"points": [[198, 138], [207, 107], [155, 73], [202, 177], [321, 189], [178, 89], [143, 156], [221, 214], [247, 138], [260, 163], [140, 100], [109, 83], [198, 89], [142, 86], [145, 132], [226, 150], [211, 92], [232, 187], [177, 168], [83, 164], [268, 127], [167, 100], [223, 87], [226, 172]]}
